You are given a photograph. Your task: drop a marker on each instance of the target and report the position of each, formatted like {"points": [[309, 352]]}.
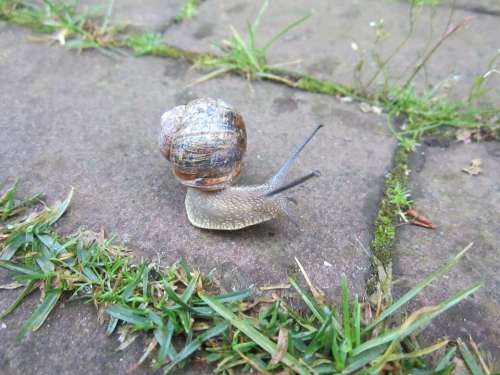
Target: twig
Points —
{"points": [[426, 58], [383, 64]]}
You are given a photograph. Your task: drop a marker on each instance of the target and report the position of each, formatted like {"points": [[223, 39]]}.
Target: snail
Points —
{"points": [[205, 141]]}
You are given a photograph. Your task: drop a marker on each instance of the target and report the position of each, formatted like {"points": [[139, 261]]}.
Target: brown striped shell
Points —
{"points": [[205, 141]]}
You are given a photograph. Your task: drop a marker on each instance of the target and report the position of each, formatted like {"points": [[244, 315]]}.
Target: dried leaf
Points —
{"points": [[273, 287], [317, 293], [366, 314], [10, 286], [475, 167], [200, 326], [365, 107], [464, 135], [281, 348], [479, 356], [419, 219], [129, 340]]}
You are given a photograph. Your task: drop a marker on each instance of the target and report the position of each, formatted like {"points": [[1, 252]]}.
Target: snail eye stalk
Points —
{"points": [[278, 177], [292, 184]]}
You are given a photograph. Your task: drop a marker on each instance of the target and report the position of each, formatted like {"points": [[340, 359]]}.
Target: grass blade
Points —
{"points": [[469, 359], [356, 317], [51, 243], [25, 270], [12, 245], [196, 344], [308, 301], [41, 313], [59, 209], [446, 360], [418, 353], [127, 315], [248, 329], [404, 331], [25, 292], [113, 322], [284, 31], [346, 315], [164, 337], [417, 289]]}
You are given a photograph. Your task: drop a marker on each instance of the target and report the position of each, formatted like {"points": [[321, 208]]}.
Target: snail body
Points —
{"points": [[205, 141]]}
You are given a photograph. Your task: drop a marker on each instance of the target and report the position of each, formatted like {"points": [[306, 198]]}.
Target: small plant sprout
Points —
{"points": [[400, 197], [189, 10], [407, 143]]}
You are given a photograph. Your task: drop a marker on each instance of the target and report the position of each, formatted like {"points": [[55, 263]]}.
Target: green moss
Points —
{"points": [[312, 84], [388, 213]]}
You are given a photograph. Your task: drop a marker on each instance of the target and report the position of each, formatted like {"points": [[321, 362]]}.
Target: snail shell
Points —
{"points": [[205, 141]]}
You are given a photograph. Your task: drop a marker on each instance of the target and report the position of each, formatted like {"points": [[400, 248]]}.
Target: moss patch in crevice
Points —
{"points": [[384, 230]]}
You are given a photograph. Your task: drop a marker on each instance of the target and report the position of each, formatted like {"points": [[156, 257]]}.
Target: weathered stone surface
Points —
{"points": [[323, 42], [466, 209], [150, 15], [490, 7], [92, 123]]}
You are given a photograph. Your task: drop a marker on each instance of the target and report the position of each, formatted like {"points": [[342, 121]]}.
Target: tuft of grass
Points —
{"points": [[9, 206], [429, 112], [151, 44], [189, 10], [70, 27], [242, 55], [182, 311]]}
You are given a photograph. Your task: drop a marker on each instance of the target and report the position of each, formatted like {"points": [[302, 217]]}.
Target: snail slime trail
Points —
{"points": [[205, 141]]}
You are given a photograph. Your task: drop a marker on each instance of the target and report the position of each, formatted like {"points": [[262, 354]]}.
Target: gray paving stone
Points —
{"points": [[149, 15], [466, 209], [490, 7], [323, 42], [90, 122]]}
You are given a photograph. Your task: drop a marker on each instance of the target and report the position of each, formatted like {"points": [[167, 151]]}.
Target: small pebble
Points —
{"points": [[3, 326], [327, 264], [365, 107]]}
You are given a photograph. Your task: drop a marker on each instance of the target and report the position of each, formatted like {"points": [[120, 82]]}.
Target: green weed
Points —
{"points": [[243, 56], [189, 10], [177, 302], [429, 111], [70, 27], [10, 207]]}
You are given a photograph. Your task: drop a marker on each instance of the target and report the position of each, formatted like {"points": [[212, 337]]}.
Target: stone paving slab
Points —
{"points": [[466, 209], [323, 42], [150, 15], [90, 122], [490, 7]]}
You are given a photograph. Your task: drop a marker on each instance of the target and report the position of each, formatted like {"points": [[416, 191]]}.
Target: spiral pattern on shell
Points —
{"points": [[205, 141]]}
